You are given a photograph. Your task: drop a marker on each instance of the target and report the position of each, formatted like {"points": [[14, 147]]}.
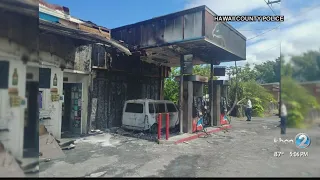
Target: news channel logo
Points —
{"points": [[302, 140]]}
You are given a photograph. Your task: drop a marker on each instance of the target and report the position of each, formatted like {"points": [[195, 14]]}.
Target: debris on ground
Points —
{"points": [[65, 143], [71, 146], [122, 132], [99, 174], [32, 170], [100, 139], [49, 147], [44, 160], [95, 131]]}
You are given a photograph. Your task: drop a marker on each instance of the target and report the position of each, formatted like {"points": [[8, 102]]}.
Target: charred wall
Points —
{"points": [[111, 89], [82, 61], [172, 28], [58, 45], [22, 30], [75, 54], [117, 79]]}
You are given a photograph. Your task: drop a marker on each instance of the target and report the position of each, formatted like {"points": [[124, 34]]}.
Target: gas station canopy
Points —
{"points": [[191, 31]]}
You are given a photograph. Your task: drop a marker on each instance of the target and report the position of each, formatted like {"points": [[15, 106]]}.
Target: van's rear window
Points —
{"points": [[171, 107], [134, 108], [160, 108]]}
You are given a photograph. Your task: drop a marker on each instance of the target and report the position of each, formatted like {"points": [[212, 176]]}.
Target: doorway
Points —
{"points": [[31, 123], [71, 109]]}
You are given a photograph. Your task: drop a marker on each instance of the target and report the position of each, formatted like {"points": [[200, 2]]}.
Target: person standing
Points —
{"points": [[283, 120], [249, 110]]}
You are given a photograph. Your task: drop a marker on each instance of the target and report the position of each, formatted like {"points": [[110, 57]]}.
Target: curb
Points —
{"points": [[200, 134]]}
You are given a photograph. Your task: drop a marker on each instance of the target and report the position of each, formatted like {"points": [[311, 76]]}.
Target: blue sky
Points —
{"points": [[297, 35], [116, 13]]}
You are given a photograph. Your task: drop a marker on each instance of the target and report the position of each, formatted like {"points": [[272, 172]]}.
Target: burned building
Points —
{"points": [[65, 68], [118, 78]]}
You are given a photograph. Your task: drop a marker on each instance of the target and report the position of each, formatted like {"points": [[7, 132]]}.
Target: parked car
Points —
{"points": [[142, 114]]}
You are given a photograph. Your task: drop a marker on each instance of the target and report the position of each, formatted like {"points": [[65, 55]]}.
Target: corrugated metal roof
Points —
{"points": [[73, 29], [54, 7]]}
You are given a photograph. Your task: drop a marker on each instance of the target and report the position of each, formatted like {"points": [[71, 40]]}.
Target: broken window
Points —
{"points": [[134, 108]]}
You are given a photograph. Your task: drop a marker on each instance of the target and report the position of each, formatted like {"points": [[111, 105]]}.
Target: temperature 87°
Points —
{"points": [[278, 154]]}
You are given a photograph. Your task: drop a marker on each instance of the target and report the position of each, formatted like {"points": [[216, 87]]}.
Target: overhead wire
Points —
{"points": [[270, 7], [287, 19], [263, 33], [269, 29], [267, 49]]}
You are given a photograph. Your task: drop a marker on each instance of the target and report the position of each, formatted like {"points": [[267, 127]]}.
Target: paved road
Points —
{"points": [[247, 150]]}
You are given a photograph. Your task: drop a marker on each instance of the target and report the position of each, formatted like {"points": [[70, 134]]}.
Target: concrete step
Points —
{"points": [[28, 163], [65, 142]]}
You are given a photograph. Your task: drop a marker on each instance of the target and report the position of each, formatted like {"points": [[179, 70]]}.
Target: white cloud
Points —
{"points": [[299, 33]]}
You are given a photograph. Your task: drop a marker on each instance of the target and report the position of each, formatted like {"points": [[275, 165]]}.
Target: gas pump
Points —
{"points": [[199, 105], [218, 98], [224, 103], [198, 112], [193, 102]]}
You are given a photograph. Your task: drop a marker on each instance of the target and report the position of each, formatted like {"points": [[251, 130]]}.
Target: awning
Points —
{"points": [[192, 31], [81, 35]]}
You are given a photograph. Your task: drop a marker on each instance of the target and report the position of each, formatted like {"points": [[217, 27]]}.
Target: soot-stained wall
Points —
{"points": [[112, 89], [121, 78]]}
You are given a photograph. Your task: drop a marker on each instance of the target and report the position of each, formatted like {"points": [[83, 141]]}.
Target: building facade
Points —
{"points": [[117, 79], [19, 77], [85, 76]]}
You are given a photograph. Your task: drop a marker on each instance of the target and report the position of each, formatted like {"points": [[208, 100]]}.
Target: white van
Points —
{"points": [[142, 114]]}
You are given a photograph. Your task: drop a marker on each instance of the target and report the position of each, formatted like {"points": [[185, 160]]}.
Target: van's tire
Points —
{"points": [[154, 128]]}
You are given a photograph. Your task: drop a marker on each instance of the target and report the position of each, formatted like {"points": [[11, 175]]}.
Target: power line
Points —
{"points": [[287, 19], [305, 11], [266, 49], [263, 33], [269, 5]]}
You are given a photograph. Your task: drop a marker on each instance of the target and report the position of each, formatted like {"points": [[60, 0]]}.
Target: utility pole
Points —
{"points": [[273, 2], [283, 123]]}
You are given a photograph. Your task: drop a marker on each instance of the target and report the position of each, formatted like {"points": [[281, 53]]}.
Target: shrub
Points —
{"points": [[298, 100]]}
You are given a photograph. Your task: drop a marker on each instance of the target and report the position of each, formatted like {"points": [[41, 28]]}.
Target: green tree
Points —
{"points": [[306, 67], [243, 85], [298, 101], [286, 69], [202, 70], [171, 86], [268, 72]]}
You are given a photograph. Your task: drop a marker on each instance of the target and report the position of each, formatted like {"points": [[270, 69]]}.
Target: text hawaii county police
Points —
{"points": [[249, 18]]}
